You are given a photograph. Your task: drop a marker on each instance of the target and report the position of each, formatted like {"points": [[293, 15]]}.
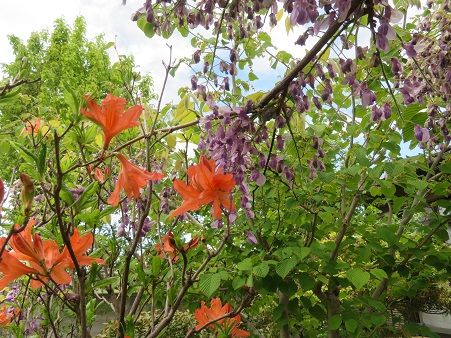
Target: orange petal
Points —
{"points": [[59, 274], [217, 212], [114, 198]]}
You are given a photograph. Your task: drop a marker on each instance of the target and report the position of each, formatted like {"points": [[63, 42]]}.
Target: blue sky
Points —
{"points": [[111, 18]]}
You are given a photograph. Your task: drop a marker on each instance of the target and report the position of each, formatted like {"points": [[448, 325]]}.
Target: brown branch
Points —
{"points": [[217, 36], [11, 86], [155, 331], [127, 263], [66, 239], [285, 82]]}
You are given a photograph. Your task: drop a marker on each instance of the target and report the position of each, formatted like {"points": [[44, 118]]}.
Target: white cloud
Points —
{"points": [[108, 17], [111, 18]]}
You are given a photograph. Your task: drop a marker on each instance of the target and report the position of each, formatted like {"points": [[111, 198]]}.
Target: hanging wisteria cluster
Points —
{"points": [[233, 144]]}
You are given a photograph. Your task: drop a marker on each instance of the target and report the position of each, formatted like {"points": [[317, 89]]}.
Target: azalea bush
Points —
{"points": [[308, 199]]}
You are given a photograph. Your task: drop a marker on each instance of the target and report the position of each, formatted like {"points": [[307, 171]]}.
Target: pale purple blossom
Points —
{"points": [[367, 96], [421, 134], [251, 238]]}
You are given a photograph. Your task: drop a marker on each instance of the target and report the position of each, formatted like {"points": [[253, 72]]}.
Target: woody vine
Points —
{"points": [[315, 208]]}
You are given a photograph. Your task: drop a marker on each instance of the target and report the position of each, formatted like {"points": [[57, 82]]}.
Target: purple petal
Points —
{"points": [[251, 238]]}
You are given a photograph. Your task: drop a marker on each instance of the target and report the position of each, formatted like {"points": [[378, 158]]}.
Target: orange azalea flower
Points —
{"points": [[228, 325], [32, 126], [11, 267], [112, 116], [43, 256], [131, 179], [81, 244], [206, 185], [191, 244], [7, 314], [168, 247], [53, 266], [98, 174]]}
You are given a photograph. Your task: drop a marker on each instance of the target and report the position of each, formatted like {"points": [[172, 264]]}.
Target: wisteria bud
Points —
{"points": [[196, 56]]}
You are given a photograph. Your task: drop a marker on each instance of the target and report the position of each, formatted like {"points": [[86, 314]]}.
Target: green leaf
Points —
{"points": [[4, 147], [261, 270], [245, 265], [252, 76], [156, 265], [40, 161], [66, 195], [85, 197], [183, 112], [171, 140], [71, 98], [209, 283], [325, 56], [379, 273], [287, 24], [351, 325], [101, 283], [285, 266], [91, 311], [250, 281], [358, 277], [375, 191], [264, 37], [146, 27], [279, 14], [108, 45], [107, 211], [446, 167], [302, 252], [238, 282], [378, 320], [183, 30], [26, 154], [335, 322], [375, 304], [130, 326], [388, 188], [387, 235], [306, 281]]}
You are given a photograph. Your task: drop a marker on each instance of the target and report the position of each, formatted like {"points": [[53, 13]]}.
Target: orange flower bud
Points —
{"points": [[27, 193]]}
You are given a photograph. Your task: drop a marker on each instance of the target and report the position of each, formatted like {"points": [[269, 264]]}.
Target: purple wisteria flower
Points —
{"points": [[386, 111], [146, 226], [251, 238], [366, 95], [421, 134], [410, 50], [317, 103], [343, 7], [33, 325], [193, 82], [376, 113], [217, 224], [412, 90], [12, 293], [396, 67], [196, 56], [280, 142], [384, 33], [258, 177]]}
